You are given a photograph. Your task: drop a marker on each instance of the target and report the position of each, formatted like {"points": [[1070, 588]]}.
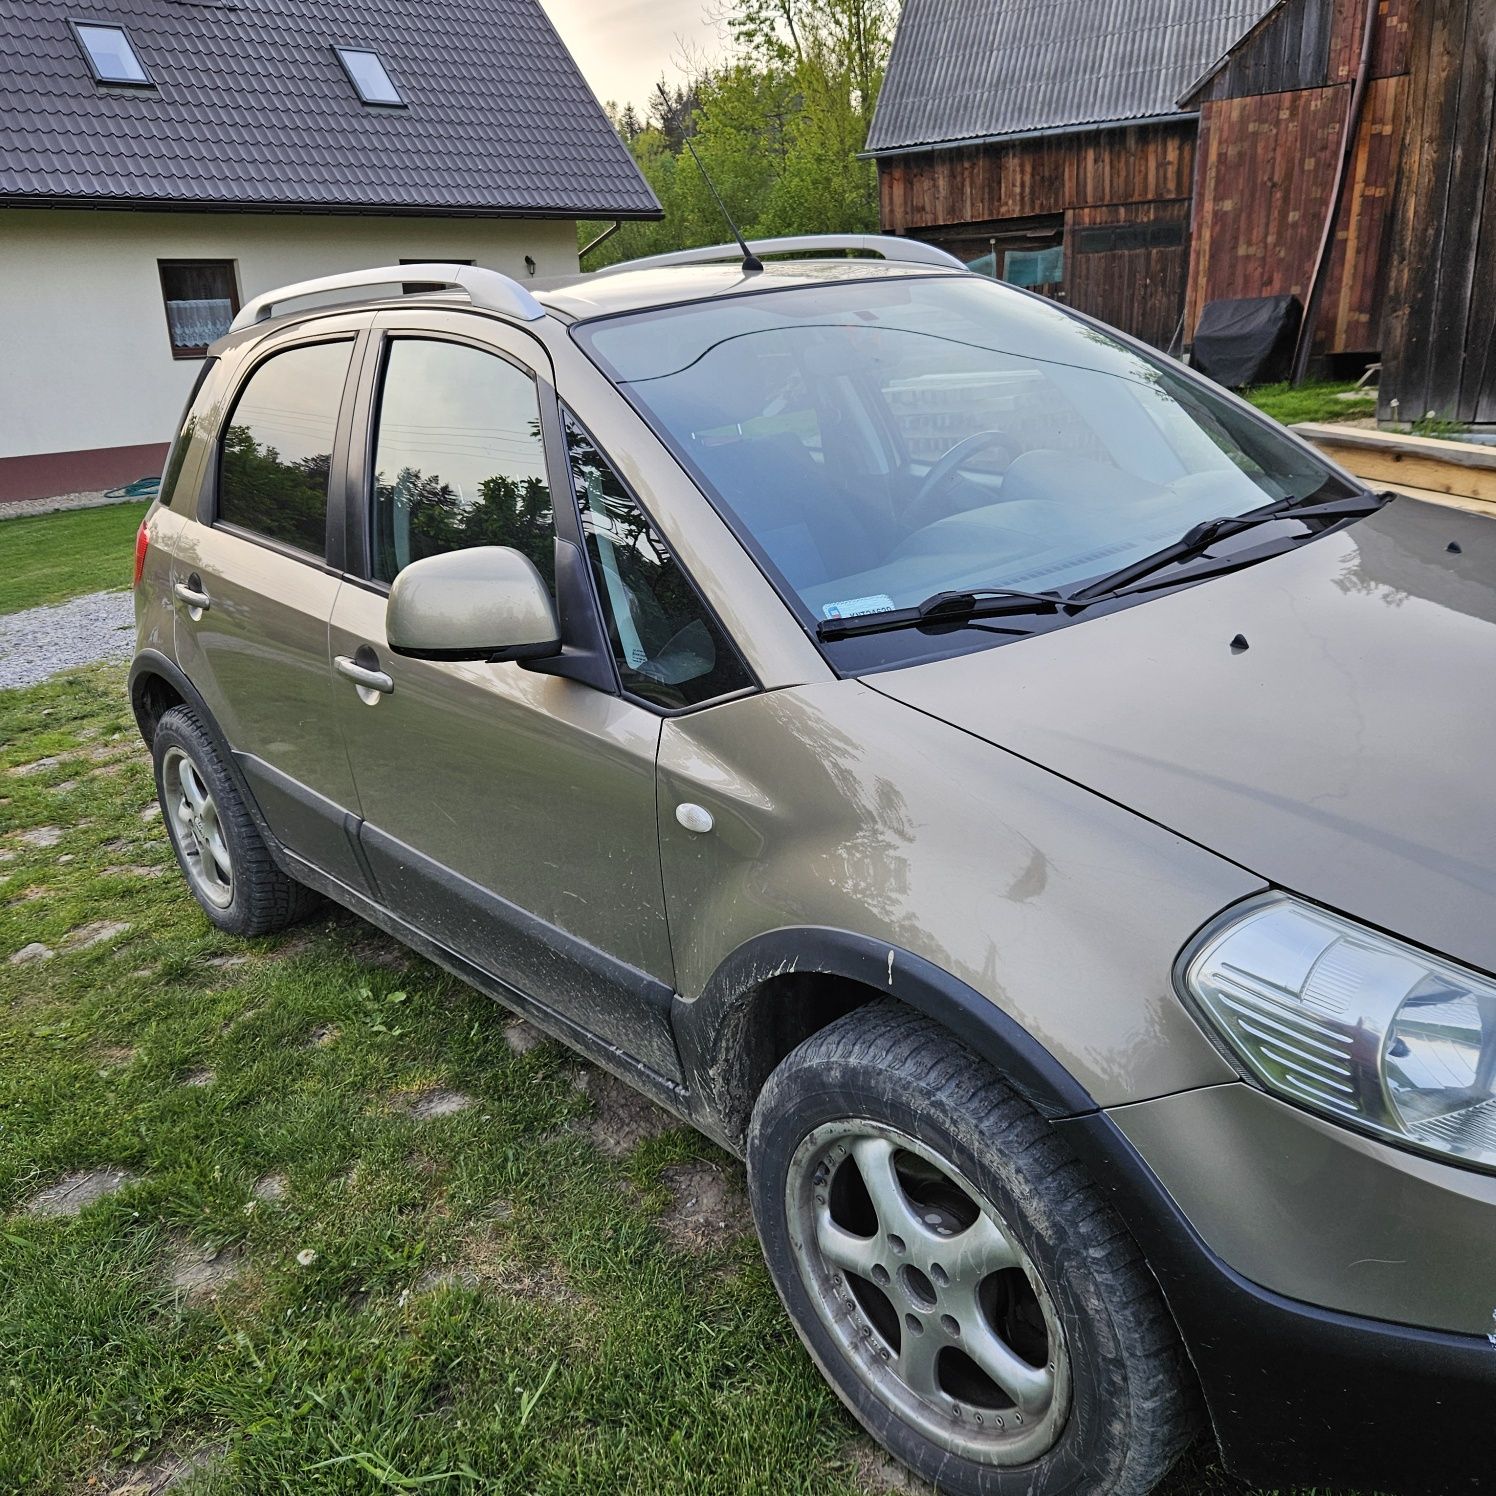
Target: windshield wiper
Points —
{"points": [[1196, 541], [956, 606]]}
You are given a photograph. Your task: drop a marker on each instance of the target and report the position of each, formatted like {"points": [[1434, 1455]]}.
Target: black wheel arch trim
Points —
{"points": [[706, 1035]]}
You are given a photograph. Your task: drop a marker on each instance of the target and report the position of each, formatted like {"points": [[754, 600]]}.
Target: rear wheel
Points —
{"points": [[221, 852], [955, 1274]]}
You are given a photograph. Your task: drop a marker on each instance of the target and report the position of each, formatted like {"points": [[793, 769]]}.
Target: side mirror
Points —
{"points": [[485, 603]]}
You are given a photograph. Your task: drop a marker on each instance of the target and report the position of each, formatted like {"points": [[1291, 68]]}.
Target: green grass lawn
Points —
{"points": [[50, 557], [1312, 402], [365, 1243]]}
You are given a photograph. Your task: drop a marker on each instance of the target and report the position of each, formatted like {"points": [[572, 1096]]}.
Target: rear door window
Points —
{"points": [[278, 445]]}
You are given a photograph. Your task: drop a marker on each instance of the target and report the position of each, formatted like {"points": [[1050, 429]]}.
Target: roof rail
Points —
{"points": [[487, 289], [889, 246]]}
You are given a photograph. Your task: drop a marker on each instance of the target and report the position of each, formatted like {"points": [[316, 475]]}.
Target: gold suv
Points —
{"points": [[993, 780]]}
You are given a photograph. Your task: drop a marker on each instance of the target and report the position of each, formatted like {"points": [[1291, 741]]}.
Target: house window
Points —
{"points": [[201, 299], [111, 55], [368, 74]]}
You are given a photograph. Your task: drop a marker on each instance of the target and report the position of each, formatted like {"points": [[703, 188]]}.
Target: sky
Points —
{"points": [[622, 46]]}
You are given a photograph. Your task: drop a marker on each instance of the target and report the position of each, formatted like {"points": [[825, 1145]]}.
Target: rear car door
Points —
{"points": [[508, 814], [253, 583]]}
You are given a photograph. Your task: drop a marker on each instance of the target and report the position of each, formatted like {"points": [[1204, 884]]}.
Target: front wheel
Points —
{"points": [[955, 1274]]}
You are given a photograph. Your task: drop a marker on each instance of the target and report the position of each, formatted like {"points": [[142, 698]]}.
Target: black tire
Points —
{"points": [[1128, 1410], [260, 898]]}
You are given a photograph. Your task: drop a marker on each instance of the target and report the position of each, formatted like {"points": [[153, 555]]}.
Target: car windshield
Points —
{"points": [[875, 442]]}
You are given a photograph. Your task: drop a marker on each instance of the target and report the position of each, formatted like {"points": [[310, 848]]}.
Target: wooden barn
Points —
{"points": [[1043, 139], [1143, 158], [1303, 115]]}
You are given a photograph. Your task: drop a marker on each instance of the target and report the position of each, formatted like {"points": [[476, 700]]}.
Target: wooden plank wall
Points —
{"points": [[1028, 178], [1310, 44], [1266, 167], [1139, 290], [1441, 325]]}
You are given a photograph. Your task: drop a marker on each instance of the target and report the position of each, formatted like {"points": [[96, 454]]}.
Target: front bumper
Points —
{"points": [[1298, 1394]]}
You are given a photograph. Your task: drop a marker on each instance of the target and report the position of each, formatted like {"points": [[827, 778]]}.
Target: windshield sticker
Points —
{"points": [[855, 607]]}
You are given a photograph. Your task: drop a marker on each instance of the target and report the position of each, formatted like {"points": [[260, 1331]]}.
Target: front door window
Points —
{"points": [[459, 460]]}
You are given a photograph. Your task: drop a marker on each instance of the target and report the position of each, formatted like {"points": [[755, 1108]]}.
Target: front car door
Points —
{"points": [[508, 814], [253, 584]]}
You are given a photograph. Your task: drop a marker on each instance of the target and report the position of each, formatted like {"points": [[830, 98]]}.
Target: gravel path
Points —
{"points": [[39, 642], [25, 508]]}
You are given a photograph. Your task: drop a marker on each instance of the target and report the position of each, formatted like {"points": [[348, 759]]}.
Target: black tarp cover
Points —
{"points": [[1245, 342]]}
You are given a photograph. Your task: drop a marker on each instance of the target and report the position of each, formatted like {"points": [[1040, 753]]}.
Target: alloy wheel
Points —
{"points": [[197, 829], [927, 1293]]}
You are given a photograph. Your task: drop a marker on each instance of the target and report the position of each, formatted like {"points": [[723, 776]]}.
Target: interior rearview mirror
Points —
{"points": [[484, 603]]}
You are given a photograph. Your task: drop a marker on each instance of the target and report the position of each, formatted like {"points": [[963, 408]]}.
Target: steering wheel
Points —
{"points": [[922, 506]]}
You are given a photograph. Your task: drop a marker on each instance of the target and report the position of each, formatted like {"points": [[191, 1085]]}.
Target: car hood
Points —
{"points": [[1348, 753]]}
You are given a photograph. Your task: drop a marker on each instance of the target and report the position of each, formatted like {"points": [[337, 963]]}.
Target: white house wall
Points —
{"points": [[85, 361]]}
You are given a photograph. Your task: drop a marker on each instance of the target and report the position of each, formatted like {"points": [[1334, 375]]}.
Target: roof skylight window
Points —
{"points": [[111, 55], [367, 73]]}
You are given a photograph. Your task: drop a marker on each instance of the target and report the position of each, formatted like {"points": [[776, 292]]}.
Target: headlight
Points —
{"points": [[1354, 1024]]}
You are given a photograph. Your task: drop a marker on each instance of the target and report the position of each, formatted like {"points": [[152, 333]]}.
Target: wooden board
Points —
{"points": [[1441, 295], [1393, 460]]}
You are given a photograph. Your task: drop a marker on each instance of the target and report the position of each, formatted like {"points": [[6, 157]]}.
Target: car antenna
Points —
{"points": [[751, 262]]}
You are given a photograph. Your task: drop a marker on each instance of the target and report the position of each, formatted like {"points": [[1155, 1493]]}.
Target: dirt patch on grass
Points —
{"points": [[199, 1077], [487, 1259], [379, 949], [163, 1474], [708, 1207], [196, 1276], [877, 1472], [29, 954], [522, 1037], [622, 1117], [435, 1279], [73, 1192], [270, 1189], [41, 836], [323, 1035], [424, 1105]]}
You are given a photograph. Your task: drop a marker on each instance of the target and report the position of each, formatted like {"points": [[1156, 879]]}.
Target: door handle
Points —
{"points": [[193, 596], [365, 678]]}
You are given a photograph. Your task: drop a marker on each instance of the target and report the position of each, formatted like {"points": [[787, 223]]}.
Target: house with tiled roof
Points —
{"points": [[162, 161]]}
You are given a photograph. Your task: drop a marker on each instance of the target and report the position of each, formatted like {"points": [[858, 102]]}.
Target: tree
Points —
{"points": [[780, 126]]}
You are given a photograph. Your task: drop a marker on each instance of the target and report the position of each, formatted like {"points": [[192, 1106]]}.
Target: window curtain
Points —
{"points": [[195, 324]]}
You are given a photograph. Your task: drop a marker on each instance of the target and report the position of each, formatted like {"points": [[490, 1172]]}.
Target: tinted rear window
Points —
{"points": [[277, 446]]}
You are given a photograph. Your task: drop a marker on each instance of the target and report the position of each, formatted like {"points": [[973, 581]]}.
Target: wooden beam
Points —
{"points": [[1423, 465]]}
